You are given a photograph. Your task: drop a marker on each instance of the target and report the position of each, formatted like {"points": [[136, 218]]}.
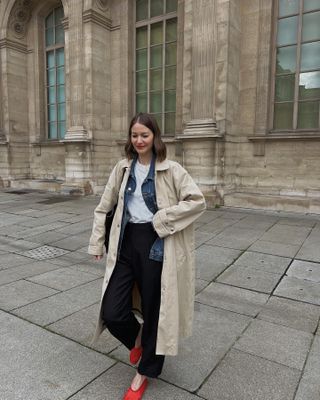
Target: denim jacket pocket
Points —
{"points": [[157, 250]]}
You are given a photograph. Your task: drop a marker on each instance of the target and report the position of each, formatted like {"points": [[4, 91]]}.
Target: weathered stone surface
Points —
{"points": [[278, 249], [305, 270], [242, 376], [263, 262], [281, 344], [294, 314], [232, 298], [37, 365], [298, 289], [212, 260]]}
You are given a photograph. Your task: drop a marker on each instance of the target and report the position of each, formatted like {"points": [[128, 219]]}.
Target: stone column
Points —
{"points": [[200, 147]]}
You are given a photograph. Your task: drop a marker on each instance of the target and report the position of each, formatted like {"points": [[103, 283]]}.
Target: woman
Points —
{"points": [[150, 260]]}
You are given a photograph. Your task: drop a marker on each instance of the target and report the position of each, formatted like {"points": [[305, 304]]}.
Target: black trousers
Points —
{"points": [[133, 266]]}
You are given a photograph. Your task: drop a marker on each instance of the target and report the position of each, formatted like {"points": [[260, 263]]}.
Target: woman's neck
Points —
{"points": [[145, 160]]}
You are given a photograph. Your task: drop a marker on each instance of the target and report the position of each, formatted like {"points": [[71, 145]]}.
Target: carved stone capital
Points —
{"points": [[76, 134], [200, 129]]}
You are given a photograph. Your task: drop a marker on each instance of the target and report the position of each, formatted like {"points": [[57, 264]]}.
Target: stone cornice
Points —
{"points": [[284, 136], [12, 44], [97, 18]]}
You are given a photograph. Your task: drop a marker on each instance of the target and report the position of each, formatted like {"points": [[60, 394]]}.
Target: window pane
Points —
{"points": [[158, 118], [155, 102], [60, 75], [62, 129], [141, 102], [286, 59], [170, 100], [52, 113], [51, 93], [311, 26], [61, 97], [310, 56], [50, 21], [58, 15], [308, 114], [311, 5], [171, 30], [288, 7], [50, 59], [141, 81], [52, 130], [141, 38], [49, 37], [156, 56], [59, 34], [156, 33], [283, 116], [309, 85], [61, 112], [170, 78], [156, 7], [60, 57], [285, 87], [171, 54], [141, 59], [141, 9], [170, 122], [171, 5], [51, 77], [156, 79], [287, 31]]}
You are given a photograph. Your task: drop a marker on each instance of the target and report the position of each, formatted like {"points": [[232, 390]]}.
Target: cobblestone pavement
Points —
{"points": [[256, 332]]}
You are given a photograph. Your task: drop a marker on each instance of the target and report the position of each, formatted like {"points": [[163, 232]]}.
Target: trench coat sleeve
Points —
{"points": [[191, 204], [107, 202]]}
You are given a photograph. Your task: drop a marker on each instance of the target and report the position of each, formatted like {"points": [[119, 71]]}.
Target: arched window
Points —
{"points": [[156, 60], [55, 75]]}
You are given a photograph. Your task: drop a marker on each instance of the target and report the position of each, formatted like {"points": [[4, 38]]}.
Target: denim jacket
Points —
{"points": [[149, 195]]}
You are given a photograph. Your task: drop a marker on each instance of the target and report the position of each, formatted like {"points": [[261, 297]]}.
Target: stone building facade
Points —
{"points": [[223, 77]]}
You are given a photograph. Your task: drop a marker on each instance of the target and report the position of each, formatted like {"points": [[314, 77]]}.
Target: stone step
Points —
{"points": [[260, 201], [50, 185]]}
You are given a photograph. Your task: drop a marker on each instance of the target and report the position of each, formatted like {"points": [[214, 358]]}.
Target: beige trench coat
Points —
{"points": [[180, 203]]}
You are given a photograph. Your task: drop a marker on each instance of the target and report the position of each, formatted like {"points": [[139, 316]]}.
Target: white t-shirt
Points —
{"points": [[139, 212]]}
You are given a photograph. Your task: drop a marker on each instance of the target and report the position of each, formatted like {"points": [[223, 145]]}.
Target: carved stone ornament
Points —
{"points": [[102, 4], [20, 16]]}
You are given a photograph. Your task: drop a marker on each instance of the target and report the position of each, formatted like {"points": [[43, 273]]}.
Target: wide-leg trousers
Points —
{"points": [[134, 265]]}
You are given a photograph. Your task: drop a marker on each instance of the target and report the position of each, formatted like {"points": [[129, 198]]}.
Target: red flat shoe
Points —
{"points": [[136, 394], [135, 355]]}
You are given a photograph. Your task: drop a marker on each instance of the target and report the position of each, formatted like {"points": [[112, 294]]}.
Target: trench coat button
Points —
{"points": [[118, 226]]}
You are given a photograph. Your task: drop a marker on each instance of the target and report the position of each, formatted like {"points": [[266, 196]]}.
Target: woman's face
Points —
{"points": [[142, 140]]}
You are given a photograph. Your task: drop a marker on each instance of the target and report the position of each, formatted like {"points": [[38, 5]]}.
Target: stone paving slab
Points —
{"points": [[296, 235], [242, 376], [309, 388], [297, 221], [309, 251], [212, 260], [25, 271], [62, 278], [202, 237], [43, 366], [113, 384], [80, 327], [264, 262], [214, 333], [299, 289], [250, 278], [231, 298], [20, 293], [200, 285], [91, 267], [277, 249], [305, 270], [276, 343], [294, 314], [10, 260], [51, 309]]}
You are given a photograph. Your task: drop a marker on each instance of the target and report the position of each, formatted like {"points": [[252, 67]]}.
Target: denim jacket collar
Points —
{"points": [[150, 175]]}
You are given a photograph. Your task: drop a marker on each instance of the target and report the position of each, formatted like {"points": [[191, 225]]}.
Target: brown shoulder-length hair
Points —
{"points": [[159, 148]]}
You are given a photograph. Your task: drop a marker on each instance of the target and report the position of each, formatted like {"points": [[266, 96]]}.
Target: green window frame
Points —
{"points": [[297, 66], [55, 75], [156, 61]]}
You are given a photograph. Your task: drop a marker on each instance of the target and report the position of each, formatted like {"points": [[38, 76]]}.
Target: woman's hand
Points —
{"points": [[98, 258]]}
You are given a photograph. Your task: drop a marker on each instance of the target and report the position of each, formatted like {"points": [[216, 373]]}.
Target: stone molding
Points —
{"points": [[97, 18], [102, 5], [19, 18], [200, 129], [12, 44], [65, 23], [76, 134]]}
